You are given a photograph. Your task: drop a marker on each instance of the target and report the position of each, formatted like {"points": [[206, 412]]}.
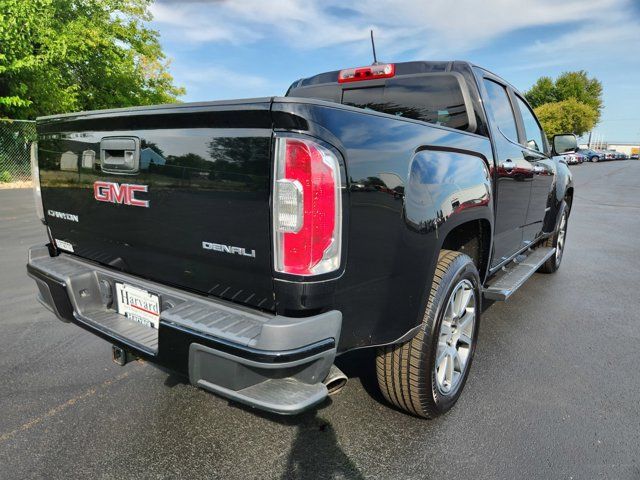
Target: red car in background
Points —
{"points": [[574, 158]]}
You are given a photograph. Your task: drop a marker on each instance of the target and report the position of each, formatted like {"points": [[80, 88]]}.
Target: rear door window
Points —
{"points": [[435, 99], [500, 109]]}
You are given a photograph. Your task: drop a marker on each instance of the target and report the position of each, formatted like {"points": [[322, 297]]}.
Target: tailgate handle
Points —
{"points": [[120, 155]]}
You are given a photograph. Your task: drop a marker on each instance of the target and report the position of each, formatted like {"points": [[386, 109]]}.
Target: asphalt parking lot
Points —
{"points": [[553, 391]]}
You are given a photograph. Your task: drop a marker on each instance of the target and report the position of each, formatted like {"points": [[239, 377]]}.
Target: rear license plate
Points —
{"points": [[138, 305]]}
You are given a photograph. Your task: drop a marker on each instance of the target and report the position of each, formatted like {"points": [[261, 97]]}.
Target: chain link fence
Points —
{"points": [[15, 150]]}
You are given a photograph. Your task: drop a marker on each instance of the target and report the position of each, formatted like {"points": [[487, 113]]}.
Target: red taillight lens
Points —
{"points": [[373, 72], [307, 212]]}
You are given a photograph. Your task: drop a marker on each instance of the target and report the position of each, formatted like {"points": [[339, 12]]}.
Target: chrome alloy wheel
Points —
{"points": [[562, 233], [455, 337]]}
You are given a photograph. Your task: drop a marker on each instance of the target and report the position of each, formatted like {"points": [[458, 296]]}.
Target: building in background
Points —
{"points": [[629, 148], [149, 156], [625, 147]]}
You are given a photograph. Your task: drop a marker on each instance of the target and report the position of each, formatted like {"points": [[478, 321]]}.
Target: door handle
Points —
{"points": [[508, 165], [120, 155]]}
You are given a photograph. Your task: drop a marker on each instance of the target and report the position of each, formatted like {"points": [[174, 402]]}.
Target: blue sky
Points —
{"points": [[222, 49]]}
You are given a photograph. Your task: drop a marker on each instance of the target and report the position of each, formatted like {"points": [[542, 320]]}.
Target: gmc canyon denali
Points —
{"points": [[247, 243]]}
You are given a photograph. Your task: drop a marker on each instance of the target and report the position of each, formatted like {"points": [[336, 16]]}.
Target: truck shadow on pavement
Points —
{"points": [[315, 451]]}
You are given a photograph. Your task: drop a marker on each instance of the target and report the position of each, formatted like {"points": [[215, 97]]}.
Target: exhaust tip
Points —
{"points": [[335, 380]]}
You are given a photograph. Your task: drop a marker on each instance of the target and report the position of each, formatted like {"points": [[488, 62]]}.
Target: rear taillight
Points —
{"points": [[386, 70], [35, 178], [307, 208]]}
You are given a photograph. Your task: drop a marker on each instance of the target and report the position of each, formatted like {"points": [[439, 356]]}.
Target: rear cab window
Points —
{"points": [[432, 98]]}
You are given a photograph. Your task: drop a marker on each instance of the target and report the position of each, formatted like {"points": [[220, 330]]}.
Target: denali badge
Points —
{"points": [[120, 193], [63, 216], [229, 249]]}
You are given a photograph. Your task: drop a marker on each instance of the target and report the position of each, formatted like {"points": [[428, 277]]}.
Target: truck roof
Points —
{"points": [[351, 86], [401, 68]]}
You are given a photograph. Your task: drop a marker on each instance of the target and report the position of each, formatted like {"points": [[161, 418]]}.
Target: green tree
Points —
{"points": [[567, 116], [543, 91], [578, 85], [571, 103], [68, 55]]}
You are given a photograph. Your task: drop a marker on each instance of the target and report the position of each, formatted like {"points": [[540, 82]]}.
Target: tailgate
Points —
{"points": [[176, 194]]}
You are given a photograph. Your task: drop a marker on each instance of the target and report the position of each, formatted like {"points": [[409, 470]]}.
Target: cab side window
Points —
{"points": [[500, 109], [534, 134]]}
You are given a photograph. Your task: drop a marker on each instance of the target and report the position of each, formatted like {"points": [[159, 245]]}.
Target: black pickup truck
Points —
{"points": [[247, 243]]}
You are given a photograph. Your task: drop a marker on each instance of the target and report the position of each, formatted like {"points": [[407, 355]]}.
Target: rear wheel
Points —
{"points": [[425, 375], [595, 159]]}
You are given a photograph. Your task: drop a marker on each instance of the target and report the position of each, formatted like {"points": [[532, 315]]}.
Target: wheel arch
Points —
{"points": [[560, 197], [569, 197], [473, 238]]}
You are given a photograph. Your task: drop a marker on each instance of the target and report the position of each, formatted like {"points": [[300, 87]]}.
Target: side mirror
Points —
{"points": [[565, 143]]}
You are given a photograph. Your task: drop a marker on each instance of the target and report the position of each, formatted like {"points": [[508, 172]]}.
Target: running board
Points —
{"points": [[513, 276]]}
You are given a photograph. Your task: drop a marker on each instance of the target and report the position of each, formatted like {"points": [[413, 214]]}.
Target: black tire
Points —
{"points": [[595, 159], [553, 263], [407, 372]]}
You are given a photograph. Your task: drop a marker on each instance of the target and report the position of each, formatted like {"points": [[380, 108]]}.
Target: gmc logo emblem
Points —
{"points": [[124, 193]]}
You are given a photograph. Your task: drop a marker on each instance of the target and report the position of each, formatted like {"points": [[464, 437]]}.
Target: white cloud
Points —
{"points": [[534, 65], [216, 82], [597, 32], [187, 23], [430, 28], [218, 75], [611, 31]]}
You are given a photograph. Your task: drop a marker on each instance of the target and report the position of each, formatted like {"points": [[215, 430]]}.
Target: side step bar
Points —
{"points": [[513, 276]]}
